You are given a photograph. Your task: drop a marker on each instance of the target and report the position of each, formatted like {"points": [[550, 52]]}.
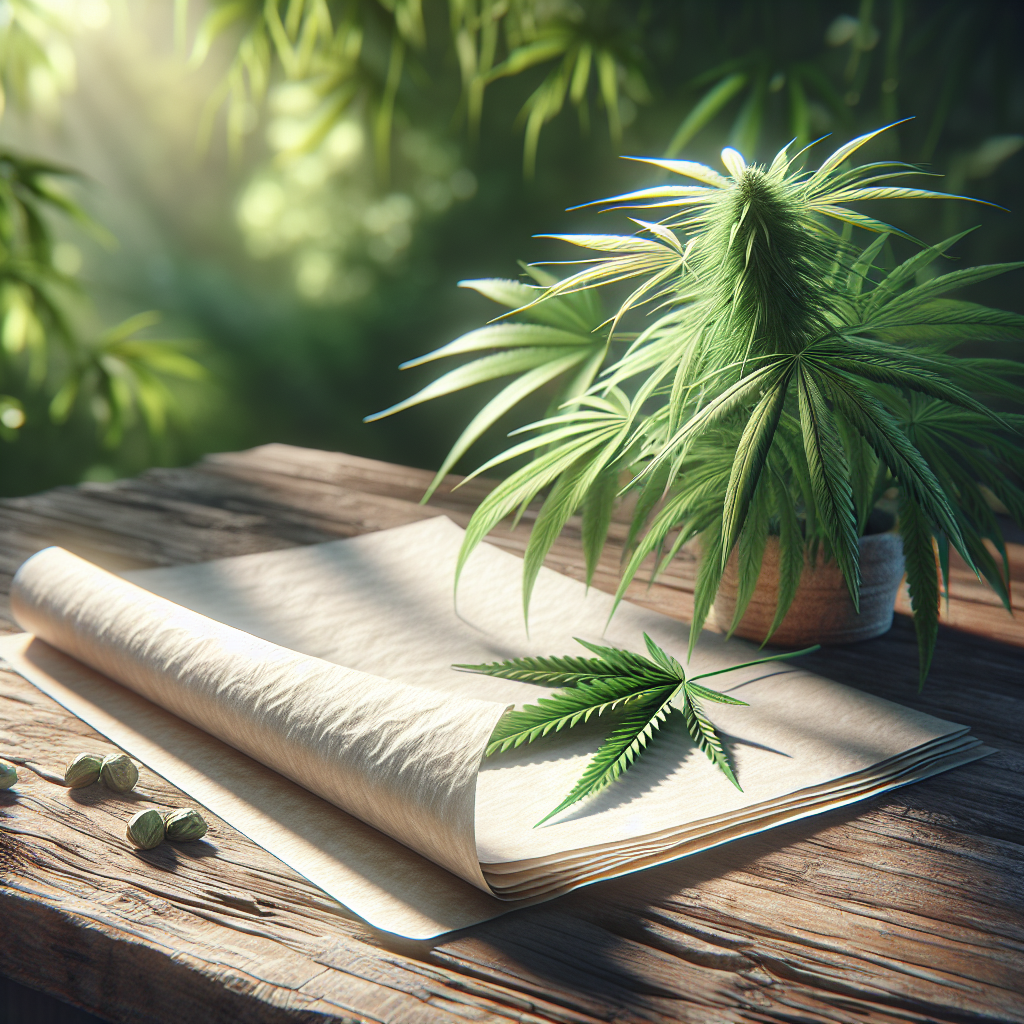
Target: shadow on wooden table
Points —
{"points": [[973, 680], [21, 1005], [744, 911]]}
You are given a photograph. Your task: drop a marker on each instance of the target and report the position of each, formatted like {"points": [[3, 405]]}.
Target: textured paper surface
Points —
{"points": [[331, 665]]}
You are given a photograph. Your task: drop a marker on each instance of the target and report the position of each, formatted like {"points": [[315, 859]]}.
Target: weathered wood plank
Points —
{"points": [[905, 903], [169, 517], [907, 908]]}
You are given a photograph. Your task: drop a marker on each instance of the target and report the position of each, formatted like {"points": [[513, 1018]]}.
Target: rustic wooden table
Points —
{"points": [[909, 907]]}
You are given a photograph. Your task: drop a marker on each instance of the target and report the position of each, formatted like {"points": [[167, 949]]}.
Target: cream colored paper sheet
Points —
{"points": [[331, 665]]}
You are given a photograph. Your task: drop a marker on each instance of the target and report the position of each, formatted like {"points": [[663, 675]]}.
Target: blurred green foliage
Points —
{"points": [[352, 54], [49, 371], [362, 156], [36, 64]]}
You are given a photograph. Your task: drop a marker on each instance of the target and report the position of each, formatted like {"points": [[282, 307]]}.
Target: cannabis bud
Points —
{"points": [[9, 776], [84, 770], [119, 773], [146, 829], [183, 825]]}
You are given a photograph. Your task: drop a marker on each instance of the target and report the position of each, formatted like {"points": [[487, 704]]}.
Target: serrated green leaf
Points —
{"points": [[500, 364], [856, 195], [922, 579], [565, 498], [791, 552], [830, 479], [524, 485], [722, 405], [703, 733], [688, 169], [871, 361], [527, 301], [709, 575], [750, 551], [898, 452], [504, 336], [860, 220], [506, 399], [819, 179], [674, 195], [713, 695], [551, 671], [865, 262], [565, 709], [947, 282], [751, 456], [504, 291], [908, 270], [640, 689], [643, 716], [664, 660], [598, 506]]}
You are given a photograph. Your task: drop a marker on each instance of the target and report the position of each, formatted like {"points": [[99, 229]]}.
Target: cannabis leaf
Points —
{"points": [[645, 690], [559, 337]]}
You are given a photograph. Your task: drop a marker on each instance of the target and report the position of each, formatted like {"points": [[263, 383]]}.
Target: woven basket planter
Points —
{"points": [[822, 611]]}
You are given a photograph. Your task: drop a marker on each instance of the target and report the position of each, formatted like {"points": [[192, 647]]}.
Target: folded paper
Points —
{"points": [[306, 696]]}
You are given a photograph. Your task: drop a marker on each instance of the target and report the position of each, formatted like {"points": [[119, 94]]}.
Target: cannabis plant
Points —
{"points": [[790, 377]]}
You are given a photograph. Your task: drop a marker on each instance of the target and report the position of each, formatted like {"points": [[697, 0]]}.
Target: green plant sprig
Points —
{"points": [[645, 690]]}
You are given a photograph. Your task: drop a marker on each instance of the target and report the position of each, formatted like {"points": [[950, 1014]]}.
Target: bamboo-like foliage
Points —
{"points": [[27, 30], [785, 385], [355, 55], [744, 68], [116, 379], [579, 46], [124, 380]]}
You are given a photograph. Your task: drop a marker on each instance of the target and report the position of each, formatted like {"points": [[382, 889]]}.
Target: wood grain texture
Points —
{"points": [[906, 908]]}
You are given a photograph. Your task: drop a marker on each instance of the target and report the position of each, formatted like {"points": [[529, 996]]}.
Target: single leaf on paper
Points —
{"points": [[641, 693]]}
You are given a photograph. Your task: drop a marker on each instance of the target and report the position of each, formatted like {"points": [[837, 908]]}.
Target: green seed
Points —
{"points": [[146, 829], [184, 825], [119, 773], [84, 770], [8, 775]]}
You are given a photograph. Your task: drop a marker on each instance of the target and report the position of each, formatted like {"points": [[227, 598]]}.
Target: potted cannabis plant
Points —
{"points": [[787, 379]]}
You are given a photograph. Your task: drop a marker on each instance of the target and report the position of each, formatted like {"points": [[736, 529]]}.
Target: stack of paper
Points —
{"points": [[330, 666]]}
